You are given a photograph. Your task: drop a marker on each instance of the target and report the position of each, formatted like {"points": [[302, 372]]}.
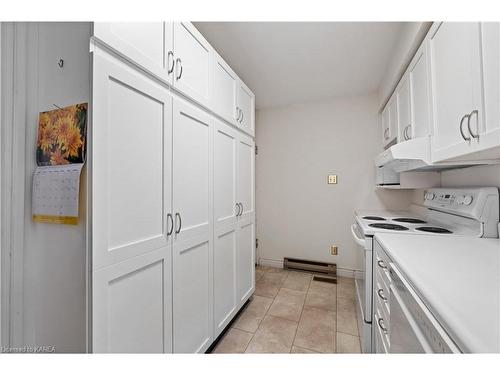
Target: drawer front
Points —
{"points": [[381, 333]]}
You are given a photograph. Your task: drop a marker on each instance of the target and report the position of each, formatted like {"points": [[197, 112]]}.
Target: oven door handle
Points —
{"points": [[360, 241]]}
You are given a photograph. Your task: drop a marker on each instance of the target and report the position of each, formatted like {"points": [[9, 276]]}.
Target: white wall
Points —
{"points": [[49, 264], [298, 214]]}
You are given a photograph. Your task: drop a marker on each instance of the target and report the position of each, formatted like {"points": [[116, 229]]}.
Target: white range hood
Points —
{"points": [[406, 156], [415, 155]]}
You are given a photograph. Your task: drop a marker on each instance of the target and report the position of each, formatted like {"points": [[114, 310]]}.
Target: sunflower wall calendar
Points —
{"points": [[60, 155]]}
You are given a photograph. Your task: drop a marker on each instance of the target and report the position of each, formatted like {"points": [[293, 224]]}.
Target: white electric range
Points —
{"points": [[470, 212]]}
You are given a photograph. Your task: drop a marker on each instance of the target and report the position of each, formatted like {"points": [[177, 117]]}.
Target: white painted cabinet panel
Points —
{"points": [[226, 141], [226, 274], [456, 87], [390, 122], [193, 235], [193, 57], [246, 258], [146, 43], [403, 110], [420, 93], [131, 172], [246, 105], [132, 305], [489, 136], [246, 173], [225, 90]]}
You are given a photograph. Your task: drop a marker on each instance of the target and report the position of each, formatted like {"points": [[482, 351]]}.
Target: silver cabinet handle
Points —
{"points": [[461, 128], [242, 116], [381, 295], [238, 209], [178, 215], [178, 63], [380, 321], [171, 220], [170, 57], [405, 136], [386, 133], [474, 112], [405, 133], [237, 114], [241, 213], [381, 264]]}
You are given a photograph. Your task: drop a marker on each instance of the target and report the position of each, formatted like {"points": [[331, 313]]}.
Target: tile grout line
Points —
{"points": [[301, 311], [265, 314]]}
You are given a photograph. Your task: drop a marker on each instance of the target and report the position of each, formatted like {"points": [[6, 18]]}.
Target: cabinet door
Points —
{"points": [[385, 125], [193, 57], [225, 91], [490, 135], [403, 110], [456, 87], [193, 235], [131, 197], [420, 93], [246, 174], [226, 241], [246, 221], [146, 43], [246, 103], [246, 258]]}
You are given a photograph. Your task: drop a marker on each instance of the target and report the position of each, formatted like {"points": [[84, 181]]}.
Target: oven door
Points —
{"points": [[363, 278], [363, 282]]}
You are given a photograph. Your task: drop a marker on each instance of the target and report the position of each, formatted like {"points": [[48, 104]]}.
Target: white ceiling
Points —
{"points": [[293, 62]]}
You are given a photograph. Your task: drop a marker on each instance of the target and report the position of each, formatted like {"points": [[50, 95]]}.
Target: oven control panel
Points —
{"points": [[475, 203]]}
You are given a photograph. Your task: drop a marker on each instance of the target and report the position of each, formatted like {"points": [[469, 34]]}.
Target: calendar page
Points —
{"points": [[55, 194]]}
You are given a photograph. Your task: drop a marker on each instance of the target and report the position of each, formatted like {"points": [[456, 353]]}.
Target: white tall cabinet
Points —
{"points": [[193, 229], [173, 190], [131, 198], [234, 219]]}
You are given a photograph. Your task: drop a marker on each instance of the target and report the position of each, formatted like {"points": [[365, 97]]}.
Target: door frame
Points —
{"points": [[15, 39]]}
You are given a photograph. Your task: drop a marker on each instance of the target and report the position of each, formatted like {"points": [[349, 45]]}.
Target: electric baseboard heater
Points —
{"points": [[326, 271]]}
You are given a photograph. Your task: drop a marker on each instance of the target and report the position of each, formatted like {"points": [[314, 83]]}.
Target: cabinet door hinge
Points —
{"points": [[256, 243], [256, 149]]}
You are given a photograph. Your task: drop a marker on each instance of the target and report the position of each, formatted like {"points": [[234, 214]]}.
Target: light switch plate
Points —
{"points": [[332, 179]]}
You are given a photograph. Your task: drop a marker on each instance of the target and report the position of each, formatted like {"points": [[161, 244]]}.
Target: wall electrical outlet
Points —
{"points": [[332, 179], [334, 250]]}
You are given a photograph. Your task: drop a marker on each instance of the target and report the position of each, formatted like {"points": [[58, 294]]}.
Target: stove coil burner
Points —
{"points": [[388, 226], [434, 230], [373, 218], [409, 220]]}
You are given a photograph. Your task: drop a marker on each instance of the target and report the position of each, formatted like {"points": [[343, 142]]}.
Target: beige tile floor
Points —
{"points": [[291, 313]]}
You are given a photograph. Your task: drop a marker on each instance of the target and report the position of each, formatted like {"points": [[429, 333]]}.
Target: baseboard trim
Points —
{"points": [[276, 263]]}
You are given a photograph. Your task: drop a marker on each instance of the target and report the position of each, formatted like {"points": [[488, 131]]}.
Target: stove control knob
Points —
{"points": [[468, 200], [429, 196], [460, 199]]}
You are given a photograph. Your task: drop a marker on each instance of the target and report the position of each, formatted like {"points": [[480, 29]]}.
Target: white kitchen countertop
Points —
{"points": [[458, 279]]}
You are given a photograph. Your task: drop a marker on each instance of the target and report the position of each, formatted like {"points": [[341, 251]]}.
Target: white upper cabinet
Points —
{"points": [[418, 77], [404, 112], [390, 122], [246, 109], [225, 90], [142, 42], [177, 54], [489, 136], [455, 62], [192, 63]]}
